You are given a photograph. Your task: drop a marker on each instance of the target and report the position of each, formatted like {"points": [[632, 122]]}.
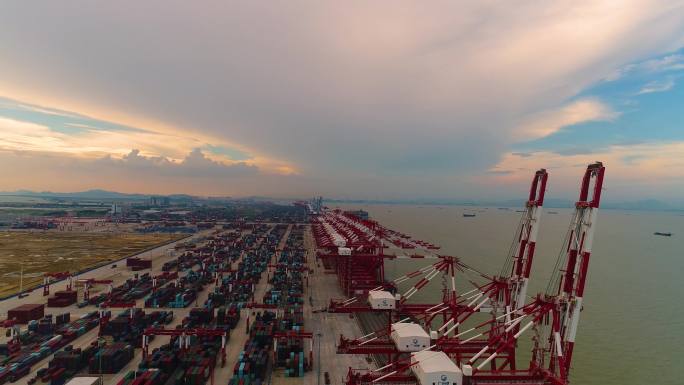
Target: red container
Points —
{"points": [[57, 373], [60, 302], [138, 264], [27, 312], [63, 298], [70, 294]]}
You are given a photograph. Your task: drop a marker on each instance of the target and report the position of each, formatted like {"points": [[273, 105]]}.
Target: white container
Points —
{"points": [[84, 381], [344, 251], [381, 300], [435, 368], [409, 337]]}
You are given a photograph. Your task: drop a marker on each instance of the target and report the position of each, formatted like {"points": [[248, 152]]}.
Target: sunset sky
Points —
{"points": [[350, 99]]}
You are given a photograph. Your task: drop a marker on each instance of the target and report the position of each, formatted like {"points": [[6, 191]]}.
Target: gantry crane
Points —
{"points": [[506, 291], [552, 317], [104, 316], [298, 334], [354, 248], [90, 282], [183, 340], [49, 277]]}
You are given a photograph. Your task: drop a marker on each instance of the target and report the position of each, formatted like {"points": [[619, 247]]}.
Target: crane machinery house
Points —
{"points": [[409, 337], [381, 299], [435, 368]]}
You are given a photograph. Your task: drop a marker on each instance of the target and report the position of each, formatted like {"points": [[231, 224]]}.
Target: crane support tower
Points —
{"points": [[485, 353]]}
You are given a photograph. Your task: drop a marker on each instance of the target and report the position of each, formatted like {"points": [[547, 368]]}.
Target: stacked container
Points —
{"points": [[63, 298], [27, 312], [110, 359]]}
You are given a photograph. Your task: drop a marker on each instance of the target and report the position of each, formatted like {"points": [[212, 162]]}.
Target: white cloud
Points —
{"points": [[668, 63], [548, 122], [657, 86], [343, 91], [194, 165], [632, 171], [618, 73], [672, 62], [95, 142]]}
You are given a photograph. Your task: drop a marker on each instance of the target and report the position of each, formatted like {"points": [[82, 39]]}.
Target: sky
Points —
{"points": [[355, 99]]}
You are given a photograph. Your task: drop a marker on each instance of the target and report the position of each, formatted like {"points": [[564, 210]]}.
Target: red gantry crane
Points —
{"points": [[105, 315], [184, 336], [55, 276], [90, 282], [491, 295], [514, 275], [354, 248], [552, 318]]}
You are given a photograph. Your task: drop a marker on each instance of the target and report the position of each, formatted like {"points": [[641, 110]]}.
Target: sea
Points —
{"points": [[632, 327]]}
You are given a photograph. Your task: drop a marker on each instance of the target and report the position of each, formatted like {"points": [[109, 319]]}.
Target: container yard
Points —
{"points": [[305, 300]]}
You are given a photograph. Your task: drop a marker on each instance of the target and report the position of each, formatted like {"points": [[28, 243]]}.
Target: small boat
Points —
{"points": [[662, 234], [553, 212], [468, 215]]}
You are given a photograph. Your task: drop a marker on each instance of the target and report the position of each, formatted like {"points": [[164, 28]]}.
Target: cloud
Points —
{"points": [[500, 172], [232, 153], [338, 92], [667, 63], [42, 110], [96, 138], [523, 154], [194, 174], [633, 171], [548, 122], [26, 136], [575, 150], [194, 165], [671, 62], [619, 73], [657, 86]]}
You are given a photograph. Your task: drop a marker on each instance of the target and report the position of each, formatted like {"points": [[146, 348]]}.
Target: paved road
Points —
{"points": [[323, 287]]}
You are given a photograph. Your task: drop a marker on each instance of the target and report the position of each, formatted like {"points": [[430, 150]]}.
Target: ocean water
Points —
{"points": [[632, 326]]}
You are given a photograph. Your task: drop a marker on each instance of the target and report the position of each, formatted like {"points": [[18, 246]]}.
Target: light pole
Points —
{"points": [[318, 356]]}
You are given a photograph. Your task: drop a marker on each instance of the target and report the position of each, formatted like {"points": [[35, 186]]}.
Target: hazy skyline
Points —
{"points": [[355, 99]]}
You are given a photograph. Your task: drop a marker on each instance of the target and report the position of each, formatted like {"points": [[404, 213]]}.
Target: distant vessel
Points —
{"points": [[468, 215], [663, 234], [553, 212]]}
